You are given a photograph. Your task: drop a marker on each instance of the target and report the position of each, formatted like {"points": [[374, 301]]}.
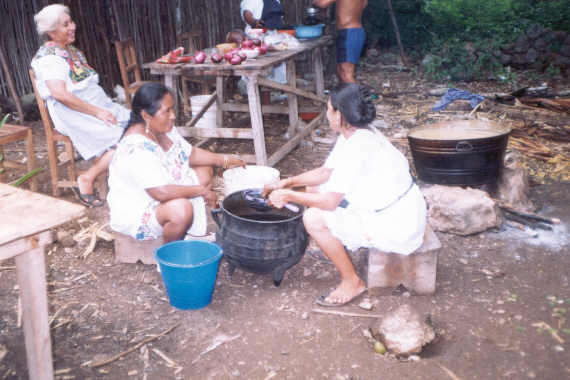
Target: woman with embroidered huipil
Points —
{"points": [[76, 103]]}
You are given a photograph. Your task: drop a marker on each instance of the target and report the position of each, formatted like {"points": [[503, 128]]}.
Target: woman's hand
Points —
{"points": [[270, 187], [233, 161], [210, 198], [106, 116], [279, 198]]}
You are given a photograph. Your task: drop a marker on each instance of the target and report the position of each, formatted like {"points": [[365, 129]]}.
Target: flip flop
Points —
{"points": [[89, 200], [322, 299]]}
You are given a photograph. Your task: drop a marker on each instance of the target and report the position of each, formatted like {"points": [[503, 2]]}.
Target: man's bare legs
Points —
{"points": [[345, 72], [86, 180], [351, 285]]}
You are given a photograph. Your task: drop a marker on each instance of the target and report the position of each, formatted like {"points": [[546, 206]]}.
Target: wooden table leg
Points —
{"points": [[171, 81], [319, 75], [219, 101], [292, 98], [256, 120], [30, 267]]}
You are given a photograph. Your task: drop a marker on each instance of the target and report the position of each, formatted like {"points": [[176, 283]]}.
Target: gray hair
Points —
{"points": [[47, 20]]}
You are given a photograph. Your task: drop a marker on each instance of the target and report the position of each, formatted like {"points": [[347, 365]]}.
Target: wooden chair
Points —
{"points": [[192, 41], [129, 66], [52, 137], [10, 133]]}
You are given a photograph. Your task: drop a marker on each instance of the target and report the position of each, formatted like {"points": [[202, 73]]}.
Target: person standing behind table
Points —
{"points": [[363, 195], [159, 184], [350, 35], [78, 106], [262, 14]]}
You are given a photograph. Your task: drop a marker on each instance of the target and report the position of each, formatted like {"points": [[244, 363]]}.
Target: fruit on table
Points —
{"points": [[199, 57], [256, 41], [216, 58], [247, 43], [242, 55], [262, 48], [235, 60]]}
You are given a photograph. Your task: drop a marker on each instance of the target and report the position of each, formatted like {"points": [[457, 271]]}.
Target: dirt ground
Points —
{"points": [[500, 310]]}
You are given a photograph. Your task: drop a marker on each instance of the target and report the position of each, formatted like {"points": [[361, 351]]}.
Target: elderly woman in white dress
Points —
{"points": [[159, 184], [365, 196], [77, 104]]}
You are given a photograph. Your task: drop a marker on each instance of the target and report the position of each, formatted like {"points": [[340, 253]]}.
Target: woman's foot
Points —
{"points": [[86, 194], [346, 292]]}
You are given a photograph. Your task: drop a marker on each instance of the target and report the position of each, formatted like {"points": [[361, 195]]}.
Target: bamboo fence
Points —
{"points": [[153, 24]]}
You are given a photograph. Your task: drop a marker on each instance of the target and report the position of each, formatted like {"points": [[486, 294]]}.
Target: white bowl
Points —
{"points": [[252, 177], [250, 53]]}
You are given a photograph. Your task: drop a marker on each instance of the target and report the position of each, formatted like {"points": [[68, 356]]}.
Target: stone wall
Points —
{"points": [[538, 48]]}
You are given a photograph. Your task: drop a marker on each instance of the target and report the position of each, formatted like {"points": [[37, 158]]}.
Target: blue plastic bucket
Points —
{"points": [[189, 269]]}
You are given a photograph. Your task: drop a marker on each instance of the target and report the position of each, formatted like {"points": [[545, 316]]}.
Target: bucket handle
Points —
{"points": [[464, 146], [216, 214]]}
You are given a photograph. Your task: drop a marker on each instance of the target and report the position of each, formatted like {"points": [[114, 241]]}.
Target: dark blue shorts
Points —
{"points": [[349, 44]]}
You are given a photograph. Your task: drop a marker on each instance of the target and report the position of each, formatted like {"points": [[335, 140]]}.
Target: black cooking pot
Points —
{"points": [[259, 241], [460, 152]]}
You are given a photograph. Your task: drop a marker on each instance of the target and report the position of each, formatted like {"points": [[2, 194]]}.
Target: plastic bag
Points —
{"points": [[280, 41]]}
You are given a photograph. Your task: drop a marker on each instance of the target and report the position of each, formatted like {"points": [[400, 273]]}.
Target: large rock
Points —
{"points": [[460, 211], [404, 332]]}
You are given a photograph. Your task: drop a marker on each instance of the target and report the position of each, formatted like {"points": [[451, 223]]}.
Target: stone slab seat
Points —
{"points": [[417, 271], [129, 250]]}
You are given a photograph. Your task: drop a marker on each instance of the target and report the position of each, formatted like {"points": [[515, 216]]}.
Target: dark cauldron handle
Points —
{"points": [[216, 214], [464, 146]]}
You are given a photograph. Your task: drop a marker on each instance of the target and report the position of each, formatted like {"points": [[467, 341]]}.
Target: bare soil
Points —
{"points": [[500, 310]]}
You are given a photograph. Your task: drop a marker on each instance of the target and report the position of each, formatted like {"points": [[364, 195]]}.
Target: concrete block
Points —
{"points": [[129, 250], [417, 271]]}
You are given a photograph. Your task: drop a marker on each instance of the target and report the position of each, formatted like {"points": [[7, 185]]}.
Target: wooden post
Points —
{"points": [[256, 119], [11, 85], [292, 98], [30, 268], [220, 101], [397, 31], [319, 76]]}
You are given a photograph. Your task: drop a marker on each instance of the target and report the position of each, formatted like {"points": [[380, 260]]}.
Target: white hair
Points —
{"points": [[47, 20]]}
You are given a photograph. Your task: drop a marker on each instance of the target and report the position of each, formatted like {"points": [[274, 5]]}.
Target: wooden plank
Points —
{"points": [[292, 103], [290, 90], [294, 141], [24, 244], [219, 101], [202, 111], [26, 213], [228, 133], [319, 71], [256, 119], [268, 108], [171, 81], [31, 272]]}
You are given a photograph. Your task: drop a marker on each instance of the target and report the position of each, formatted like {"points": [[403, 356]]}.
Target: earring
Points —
{"points": [[147, 128]]}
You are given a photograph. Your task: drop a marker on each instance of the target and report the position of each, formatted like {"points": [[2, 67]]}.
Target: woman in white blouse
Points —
{"points": [[363, 196], [77, 104]]}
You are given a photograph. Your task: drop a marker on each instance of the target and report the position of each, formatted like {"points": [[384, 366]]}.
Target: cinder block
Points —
{"points": [[417, 271], [129, 250]]}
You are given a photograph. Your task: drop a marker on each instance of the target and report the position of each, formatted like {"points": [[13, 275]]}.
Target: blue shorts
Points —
{"points": [[349, 44]]}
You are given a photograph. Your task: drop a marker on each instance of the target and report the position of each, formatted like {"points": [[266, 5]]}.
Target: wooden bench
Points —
{"points": [[129, 250], [417, 271]]}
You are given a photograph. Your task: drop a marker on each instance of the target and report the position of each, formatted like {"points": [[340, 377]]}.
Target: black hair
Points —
{"points": [[147, 98], [354, 103]]}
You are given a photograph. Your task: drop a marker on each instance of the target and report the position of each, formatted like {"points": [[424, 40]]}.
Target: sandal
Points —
{"points": [[89, 200], [322, 299]]}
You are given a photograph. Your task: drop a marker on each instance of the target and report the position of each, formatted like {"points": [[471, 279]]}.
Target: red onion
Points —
{"points": [[263, 48], [228, 56], [216, 58], [236, 60], [256, 41], [247, 43], [242, 55], [199, 57]]}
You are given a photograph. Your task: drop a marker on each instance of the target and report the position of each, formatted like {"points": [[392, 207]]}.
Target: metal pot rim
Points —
{"points": [[224, 209], [463, 125]]}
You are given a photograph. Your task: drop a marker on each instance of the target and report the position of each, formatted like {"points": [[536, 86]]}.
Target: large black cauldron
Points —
{"points": [[260, 241], [459, 152]]}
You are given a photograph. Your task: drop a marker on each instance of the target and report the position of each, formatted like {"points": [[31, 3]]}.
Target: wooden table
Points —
{"points": [[255, 71], [25, 222]]}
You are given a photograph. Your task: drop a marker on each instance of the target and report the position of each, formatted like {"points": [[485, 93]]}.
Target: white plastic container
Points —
{"points": [[252, 177], [208, 120]]}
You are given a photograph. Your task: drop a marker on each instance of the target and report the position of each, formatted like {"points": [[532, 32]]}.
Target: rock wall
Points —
{"points": [[538, 48]]}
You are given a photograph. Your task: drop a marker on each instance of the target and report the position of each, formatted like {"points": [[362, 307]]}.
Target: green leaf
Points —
{"points": [[27, 176], [4, 120]]}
